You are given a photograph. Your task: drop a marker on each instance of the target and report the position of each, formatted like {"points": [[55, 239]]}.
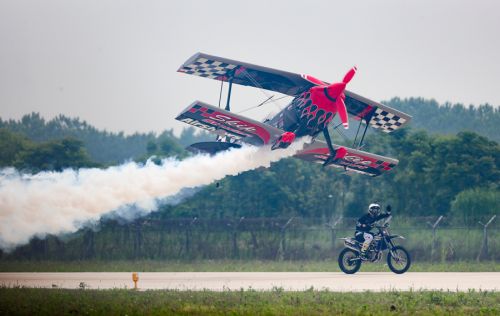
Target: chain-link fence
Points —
{"points": [[427, 239]]}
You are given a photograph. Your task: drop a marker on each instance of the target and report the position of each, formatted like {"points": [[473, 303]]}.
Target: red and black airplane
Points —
{"points": [[315, 103]]}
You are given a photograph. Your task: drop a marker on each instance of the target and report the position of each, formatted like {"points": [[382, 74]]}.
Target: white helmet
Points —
{"points": [[374, 209]]}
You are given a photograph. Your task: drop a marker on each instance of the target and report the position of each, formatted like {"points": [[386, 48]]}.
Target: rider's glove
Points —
{"points": [[388, 209]]}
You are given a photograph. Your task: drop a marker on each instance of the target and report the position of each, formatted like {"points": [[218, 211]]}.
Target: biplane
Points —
{"points": [[314, 105]]}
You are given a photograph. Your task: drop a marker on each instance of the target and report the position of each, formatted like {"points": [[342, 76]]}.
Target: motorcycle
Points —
{"points": [[398, 258]]}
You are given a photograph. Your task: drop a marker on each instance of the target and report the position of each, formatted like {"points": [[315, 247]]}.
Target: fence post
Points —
{"points": [[88, 238], [280, 254], [236, 252], [188, 235], [255, 244], [161, 240], [138, 240], [483, 253], [434, 228], [332, 225]]}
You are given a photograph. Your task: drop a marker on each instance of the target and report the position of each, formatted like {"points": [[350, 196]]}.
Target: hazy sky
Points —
{"points": [[113, 63]]}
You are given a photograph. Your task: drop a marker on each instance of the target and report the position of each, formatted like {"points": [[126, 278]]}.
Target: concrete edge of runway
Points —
{"points": [[261, 281]]}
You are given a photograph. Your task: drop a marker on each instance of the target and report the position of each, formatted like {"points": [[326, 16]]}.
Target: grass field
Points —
{"points": [[230, 266], [23, 301]]}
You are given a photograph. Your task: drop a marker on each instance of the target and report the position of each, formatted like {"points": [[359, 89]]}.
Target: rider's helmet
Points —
{"points": [[374, 209]]}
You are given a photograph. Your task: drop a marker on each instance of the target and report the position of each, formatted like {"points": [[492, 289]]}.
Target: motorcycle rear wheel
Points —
{"points": [[400, 262], [347, 262]]}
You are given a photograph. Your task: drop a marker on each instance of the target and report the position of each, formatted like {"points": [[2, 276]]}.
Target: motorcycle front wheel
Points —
{"points": [[349, 261], [398, 260]]}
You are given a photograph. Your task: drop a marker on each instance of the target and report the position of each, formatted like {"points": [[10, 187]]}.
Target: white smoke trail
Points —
{"points": [[62, 202]]}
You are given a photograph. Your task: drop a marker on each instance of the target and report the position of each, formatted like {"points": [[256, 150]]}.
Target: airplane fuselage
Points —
{"points": [[306, 115]]}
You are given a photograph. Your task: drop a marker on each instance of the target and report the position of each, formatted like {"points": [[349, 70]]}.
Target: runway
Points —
{"points": [[295, 281]]}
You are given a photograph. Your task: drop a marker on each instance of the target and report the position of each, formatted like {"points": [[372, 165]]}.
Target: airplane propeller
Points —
{"points": [[335, 92]]}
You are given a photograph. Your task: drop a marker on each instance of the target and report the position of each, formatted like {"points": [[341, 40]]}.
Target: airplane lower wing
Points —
{"points": [[228, 124], [355, 160], [239, 128], [377, 115]]}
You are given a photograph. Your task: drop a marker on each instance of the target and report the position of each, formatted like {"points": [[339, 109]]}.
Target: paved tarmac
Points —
{"points": [[297, 281]]}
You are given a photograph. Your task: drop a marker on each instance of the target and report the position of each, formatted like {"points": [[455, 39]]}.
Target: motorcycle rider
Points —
{"points": [[365, 224]]}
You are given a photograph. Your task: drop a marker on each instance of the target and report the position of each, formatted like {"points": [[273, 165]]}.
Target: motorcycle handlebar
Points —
{"points": [[386, 223]]}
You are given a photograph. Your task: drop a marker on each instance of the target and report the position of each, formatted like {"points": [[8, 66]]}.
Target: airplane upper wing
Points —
{"points": [[228, 124], [378, 115], [246, 74], [355, 160]]}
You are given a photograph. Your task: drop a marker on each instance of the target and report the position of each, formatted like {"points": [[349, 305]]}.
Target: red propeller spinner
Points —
{"points": [[324, 95]]}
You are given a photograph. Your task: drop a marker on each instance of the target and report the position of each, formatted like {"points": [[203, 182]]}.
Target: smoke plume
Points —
{"points": [[63, 202]]}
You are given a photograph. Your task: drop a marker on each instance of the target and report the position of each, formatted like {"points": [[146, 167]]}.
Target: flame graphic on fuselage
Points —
{"points": [[313, 116]]}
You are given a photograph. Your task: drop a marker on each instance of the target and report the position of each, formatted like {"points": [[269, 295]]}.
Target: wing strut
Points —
{"points": [[367, 123], [361, 144], [220, 93], [357, 132], [228, 106], [228, 103]]}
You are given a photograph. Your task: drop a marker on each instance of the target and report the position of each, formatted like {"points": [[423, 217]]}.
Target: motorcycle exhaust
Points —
{"points": [[351, 244]]}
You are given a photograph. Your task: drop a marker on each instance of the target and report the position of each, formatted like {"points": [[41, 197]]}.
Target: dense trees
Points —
{"points": [[473, 204], [23, 154], [103, 146], [111, 148], [11, 145], [54, 155], [450, 118], [434, 171], [165, 145]]}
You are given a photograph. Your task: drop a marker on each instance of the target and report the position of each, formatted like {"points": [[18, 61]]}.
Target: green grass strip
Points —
{"points": [[230, 266], [24, 301]]}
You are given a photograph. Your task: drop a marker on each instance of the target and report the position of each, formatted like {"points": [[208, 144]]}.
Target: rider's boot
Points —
{"points": [[364, 247]]}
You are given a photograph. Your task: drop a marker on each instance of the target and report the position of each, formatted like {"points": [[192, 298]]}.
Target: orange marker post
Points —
{"points": [[135, 278]]}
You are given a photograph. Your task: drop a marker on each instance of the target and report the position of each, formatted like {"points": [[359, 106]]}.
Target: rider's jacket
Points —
{"points": [[366, 221]]}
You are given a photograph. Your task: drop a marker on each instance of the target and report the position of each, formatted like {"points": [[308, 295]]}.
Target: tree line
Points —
{"points": [[110, 148], [450, 118], [437, 175], [20, 152], [103, 147]]}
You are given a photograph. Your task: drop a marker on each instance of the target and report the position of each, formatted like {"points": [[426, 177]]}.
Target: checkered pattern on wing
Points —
{"points": [[207, 68], [382, 165], [387, 121]]}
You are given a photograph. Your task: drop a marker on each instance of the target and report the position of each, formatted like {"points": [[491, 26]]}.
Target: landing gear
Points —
{"points": [[335, 154]]}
